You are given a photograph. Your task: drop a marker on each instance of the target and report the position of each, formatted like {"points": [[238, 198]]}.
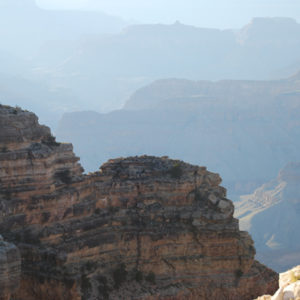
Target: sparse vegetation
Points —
{"points": [[50, 141], [151, 278], [89, 266], [7, 194], [138, 275], [3, 149], [17, 238], [238, 273], [119, 275], [45, 217], [198, 196], [103, 288], [29, 238], [85, 287], [68, 282], [113, 209], [64, 176], [176, 171], [97, 211]]}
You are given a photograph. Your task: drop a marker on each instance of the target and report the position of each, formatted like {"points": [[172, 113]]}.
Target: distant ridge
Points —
{"points": [[253, 126], [272, 215]]}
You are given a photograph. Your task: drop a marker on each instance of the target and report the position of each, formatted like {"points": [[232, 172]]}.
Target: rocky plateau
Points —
{"points": [[139, 228]]}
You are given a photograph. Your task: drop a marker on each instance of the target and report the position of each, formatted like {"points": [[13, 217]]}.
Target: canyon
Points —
{"points": [[245, 130], [271, 215], [141, 227]]}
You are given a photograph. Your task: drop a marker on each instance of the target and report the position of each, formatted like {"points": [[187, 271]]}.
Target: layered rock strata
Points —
{"points": [[140, 228], [10, 269]]}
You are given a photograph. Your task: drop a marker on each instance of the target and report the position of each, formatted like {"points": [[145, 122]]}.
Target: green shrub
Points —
{"points": [[64, 176], [138, 276], [238, 273], [85, 287], [45, 217], [176, 171], [98, 211], [119, 275], [151, 278], [4, 149], [103, 288], [68, 282], [7, 194], [30, 238], [198, 196], [89, 266], [113, 209], [50, 141]]}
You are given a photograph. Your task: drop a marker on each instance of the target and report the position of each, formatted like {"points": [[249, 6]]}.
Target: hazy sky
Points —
{"points": [[206, 13]]}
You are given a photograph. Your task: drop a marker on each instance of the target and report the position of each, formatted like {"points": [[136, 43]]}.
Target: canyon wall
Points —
{"points": [[10, 269], [139, 228]]}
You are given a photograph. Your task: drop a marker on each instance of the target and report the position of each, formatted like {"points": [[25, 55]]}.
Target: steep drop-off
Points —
{"points": [[140, 228], [271, 215]]}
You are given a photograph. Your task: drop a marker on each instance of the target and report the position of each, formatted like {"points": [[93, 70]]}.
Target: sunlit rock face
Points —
{"points": [[140, 228]]}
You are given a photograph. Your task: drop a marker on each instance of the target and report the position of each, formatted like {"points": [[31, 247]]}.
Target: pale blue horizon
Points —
{"points": [[213, 13]]}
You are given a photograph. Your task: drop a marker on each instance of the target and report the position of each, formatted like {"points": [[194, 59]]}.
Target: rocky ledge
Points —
{"points": [[140, 228]]}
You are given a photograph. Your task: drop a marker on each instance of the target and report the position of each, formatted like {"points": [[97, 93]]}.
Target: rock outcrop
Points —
{"points": [[140, 228], [289, 286], [271, 215], [10, 269]]}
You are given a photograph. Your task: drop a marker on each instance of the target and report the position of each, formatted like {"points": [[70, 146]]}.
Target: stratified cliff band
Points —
{"points": [[140, 228]]}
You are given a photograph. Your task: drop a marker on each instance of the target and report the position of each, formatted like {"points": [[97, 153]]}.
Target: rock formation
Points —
{"points": [[271, 215], [289, 286], [10, 269], [140, 228]]}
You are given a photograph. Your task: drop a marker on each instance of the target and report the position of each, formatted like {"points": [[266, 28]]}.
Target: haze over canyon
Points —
{"points": [[157, 99]]}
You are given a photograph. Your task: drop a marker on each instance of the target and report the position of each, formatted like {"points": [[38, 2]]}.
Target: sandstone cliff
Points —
{"points": [[140, 228]]}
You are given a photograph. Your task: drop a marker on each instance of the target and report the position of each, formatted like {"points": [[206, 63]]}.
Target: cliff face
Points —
{"points": [[10, 269], [140, 228]]}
